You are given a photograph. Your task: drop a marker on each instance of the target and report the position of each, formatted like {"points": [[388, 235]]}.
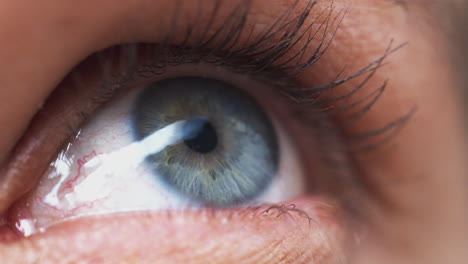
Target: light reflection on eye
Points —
{"points": [[143, 152]]}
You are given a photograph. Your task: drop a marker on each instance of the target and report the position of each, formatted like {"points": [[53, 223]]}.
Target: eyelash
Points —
{"points": [[264, 62]]}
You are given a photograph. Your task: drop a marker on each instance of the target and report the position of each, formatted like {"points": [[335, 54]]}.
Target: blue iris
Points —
{"points": [[228, 153]]}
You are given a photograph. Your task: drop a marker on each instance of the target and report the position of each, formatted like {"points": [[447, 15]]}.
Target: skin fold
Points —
{"points": [[421, 178]]}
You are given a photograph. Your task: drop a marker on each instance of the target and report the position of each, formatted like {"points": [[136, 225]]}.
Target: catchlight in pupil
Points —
{"points": [[228, 153], [199, 135]]}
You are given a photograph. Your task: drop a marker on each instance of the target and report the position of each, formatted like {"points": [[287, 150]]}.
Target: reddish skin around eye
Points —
{"points": [[274, 235], [7, 234]]}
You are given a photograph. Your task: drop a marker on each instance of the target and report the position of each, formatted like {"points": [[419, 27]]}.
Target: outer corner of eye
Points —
{"points": [[178, 143]]}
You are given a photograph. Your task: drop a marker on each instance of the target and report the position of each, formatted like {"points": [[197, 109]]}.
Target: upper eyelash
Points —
{"points": [[257, 57], [262, 58], [359, 140]]}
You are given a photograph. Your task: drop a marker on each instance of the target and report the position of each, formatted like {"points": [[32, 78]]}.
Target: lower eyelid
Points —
{"points": [[315, 224]]}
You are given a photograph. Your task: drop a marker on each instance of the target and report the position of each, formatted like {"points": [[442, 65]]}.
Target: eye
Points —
{"points": [[212, 122], [175, 143]]}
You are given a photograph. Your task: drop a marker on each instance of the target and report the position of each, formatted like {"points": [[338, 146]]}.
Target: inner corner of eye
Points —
{"points": [[177, 143]]}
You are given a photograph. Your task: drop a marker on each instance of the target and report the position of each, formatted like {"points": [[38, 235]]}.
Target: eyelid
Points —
{"points": [[228, 231]]}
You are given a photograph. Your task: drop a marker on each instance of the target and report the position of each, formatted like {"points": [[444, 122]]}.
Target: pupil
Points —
{"points": [[199, 135]]}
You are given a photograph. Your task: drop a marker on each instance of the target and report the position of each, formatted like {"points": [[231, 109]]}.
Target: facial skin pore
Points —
{"points": [[422, 177]]}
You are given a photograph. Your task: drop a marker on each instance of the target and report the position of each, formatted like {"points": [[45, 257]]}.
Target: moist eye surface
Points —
{"points": [[228, 154]]}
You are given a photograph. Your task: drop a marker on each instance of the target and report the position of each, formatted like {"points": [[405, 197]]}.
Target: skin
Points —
{"points": [[423, 178]]}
